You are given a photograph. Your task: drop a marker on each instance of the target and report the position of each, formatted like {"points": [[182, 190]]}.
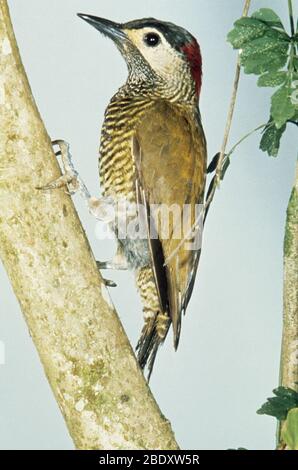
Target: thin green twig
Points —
{"points": [[291, 14], [244, 138], [219, 167]]}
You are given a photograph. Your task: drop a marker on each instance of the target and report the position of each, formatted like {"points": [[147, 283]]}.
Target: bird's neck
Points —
{"points": [[179, 90]]}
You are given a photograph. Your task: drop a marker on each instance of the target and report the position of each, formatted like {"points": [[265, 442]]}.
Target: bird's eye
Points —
{"points": [[152, 39]]}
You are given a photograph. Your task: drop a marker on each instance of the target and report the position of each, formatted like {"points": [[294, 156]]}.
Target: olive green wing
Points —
{"points": [[170, 155]]}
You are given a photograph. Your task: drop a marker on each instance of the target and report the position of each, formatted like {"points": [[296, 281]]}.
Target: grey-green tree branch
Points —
{"points": [[86, 355], [289, 352]]}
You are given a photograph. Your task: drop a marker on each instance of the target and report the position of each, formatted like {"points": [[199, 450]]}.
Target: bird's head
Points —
{"points": [[158, 52]]}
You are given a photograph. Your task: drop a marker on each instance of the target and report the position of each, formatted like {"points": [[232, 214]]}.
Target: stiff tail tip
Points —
{"points": [[153, 335]]}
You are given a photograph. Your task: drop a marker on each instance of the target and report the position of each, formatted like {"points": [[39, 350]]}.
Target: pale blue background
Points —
{"points": [[227, 363]]}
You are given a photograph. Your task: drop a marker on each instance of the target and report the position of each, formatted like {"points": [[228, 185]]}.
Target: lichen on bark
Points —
{"points": [[289, 353]]}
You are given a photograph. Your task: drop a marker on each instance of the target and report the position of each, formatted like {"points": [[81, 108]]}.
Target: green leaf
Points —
{"points": [[262, 63], [266, 44], [245, 30], [294, 119], [270, 141], [268, 16], [294, 91], [279, 406], [272, 79], [226, 165], [265, 54], [282, 107], [289, 433]]}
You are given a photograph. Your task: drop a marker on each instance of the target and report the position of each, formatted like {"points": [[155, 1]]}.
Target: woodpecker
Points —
{"points": [[153, 151]]}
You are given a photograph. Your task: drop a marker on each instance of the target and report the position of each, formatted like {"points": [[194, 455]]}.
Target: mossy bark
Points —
{"points": [[289, 353], [86, 355], [289, 349]]}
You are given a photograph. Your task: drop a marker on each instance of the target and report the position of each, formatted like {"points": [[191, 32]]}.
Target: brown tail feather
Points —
{"points": [[156, 324]]}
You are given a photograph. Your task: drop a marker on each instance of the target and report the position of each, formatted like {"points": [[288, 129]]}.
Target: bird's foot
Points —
{"points": [[109, 283], [118, 262], [70, 178], [101, 208], [112, 265]]}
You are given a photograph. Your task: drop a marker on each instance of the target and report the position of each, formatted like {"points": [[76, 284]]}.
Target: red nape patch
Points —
{"points": [[193, 54]]}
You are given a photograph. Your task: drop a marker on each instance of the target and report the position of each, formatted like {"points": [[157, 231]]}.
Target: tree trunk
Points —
{"points": [[289, 354], [289, 349], [86, 355]]}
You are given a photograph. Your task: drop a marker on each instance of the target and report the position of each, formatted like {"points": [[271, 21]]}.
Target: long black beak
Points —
{"points": [[106, 27]]}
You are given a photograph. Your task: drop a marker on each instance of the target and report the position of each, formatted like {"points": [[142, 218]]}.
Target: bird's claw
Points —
{"points": [[114, 264], [102, 208], [109, 283], [70, 178]]}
